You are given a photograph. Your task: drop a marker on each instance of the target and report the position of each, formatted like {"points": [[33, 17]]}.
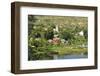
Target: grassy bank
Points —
{"points": [[67, 50]]}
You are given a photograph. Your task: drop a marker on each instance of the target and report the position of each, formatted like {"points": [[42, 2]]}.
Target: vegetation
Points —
{"points": [[61, 35]]}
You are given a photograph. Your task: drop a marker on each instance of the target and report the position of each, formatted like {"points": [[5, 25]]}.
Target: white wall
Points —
{"points": [[5, 42]]}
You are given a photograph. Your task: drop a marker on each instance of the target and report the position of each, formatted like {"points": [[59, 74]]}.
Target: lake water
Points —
{"points": [[71, 57]]}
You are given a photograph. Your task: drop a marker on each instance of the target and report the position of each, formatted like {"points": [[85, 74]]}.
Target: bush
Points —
{"points": [[66, 34], [39, 49]]}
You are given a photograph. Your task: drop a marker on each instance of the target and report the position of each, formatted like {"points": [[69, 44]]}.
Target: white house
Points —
{"points": [[81, 33]]}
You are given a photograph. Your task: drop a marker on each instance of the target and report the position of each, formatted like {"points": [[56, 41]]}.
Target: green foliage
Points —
{"points": [[38, 49], [86, 33], [49, 33], [67, 34]]}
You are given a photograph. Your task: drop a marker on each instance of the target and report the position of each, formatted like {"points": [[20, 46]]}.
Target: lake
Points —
{"points": [[70, 56]]}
